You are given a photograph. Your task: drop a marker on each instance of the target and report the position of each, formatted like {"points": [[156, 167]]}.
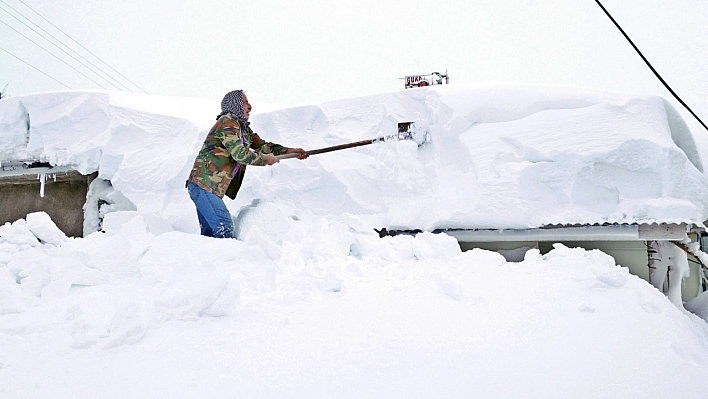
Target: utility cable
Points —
{"points": [[80, 45], [61, 49], [96, 70], [53, 55], [650, 66], [38, 70]]}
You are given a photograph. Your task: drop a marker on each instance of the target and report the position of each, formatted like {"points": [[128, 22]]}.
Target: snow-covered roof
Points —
{"points": [[501, 156]]}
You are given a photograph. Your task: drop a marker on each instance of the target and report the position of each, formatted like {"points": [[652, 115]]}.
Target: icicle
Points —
{"points": [[42, 178]]}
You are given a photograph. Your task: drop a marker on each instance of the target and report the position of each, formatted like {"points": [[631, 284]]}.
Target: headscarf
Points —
{"points": [[233, 104]]}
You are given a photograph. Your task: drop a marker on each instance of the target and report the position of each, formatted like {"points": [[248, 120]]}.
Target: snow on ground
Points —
{"points": [[309, 301]]}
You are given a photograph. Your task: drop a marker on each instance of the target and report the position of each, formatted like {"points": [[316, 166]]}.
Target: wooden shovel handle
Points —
{"points": [[327, 149], [287, 156]]}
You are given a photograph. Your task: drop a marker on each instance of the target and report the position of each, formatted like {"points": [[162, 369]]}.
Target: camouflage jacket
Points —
{"points": [[220, 165]]}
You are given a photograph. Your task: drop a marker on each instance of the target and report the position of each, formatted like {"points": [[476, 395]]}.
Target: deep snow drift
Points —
{"points": [[310, 302], [500, 156]]}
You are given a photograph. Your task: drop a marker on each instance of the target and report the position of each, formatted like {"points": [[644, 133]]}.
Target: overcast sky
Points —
{"points": [[315, 50]]}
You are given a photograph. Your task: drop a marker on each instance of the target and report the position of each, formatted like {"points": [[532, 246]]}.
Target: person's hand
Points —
{"points": [[271, 159], [302, 154]]}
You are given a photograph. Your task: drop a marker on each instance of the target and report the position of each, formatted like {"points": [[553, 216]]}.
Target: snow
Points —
{"points": [[670, 255], [309, 301], [500, 156]]}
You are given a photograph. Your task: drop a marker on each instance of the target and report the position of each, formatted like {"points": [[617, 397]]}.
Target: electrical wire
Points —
{"points": [[96, 70], [52, 54], [80, 45], [37, 69], [650, 66]]}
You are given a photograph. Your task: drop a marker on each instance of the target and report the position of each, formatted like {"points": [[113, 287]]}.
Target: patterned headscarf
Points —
{"points": [[233, 104]]}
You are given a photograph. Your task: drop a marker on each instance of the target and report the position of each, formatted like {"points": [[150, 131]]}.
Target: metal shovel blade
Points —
{"points": [[408, 131]]}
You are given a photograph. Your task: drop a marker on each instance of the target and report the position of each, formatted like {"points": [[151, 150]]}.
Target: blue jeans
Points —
{"points": [[214, 218]]}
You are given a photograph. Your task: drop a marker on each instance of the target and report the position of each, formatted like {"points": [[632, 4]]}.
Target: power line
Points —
{"points": [[97, 69], [53, 55], [36, 68], [650, 66], [89, 51], [52, 43]]}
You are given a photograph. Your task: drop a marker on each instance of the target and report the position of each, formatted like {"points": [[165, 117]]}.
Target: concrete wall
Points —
{"points": [[63, 200]]}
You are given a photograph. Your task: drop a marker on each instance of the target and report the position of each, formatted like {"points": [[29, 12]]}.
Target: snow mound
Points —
{"points": [[404, 314], [500, 156], [310, 299]]}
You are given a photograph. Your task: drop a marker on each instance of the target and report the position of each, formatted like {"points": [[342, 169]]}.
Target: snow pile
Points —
{"points": [[500, 156], [145, 156], [309, 301], [323, 307]]}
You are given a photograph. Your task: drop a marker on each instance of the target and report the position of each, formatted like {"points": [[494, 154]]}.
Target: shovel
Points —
{"points": [[406, 131]]}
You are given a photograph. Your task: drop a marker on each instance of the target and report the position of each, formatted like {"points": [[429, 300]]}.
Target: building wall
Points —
{"points": [[63, 199]]}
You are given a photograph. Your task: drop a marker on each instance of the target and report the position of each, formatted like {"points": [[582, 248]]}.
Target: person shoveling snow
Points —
{"points": [[220, 166]]}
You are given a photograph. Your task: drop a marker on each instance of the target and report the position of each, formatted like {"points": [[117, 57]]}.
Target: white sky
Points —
{"points": [[313, 51]]}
